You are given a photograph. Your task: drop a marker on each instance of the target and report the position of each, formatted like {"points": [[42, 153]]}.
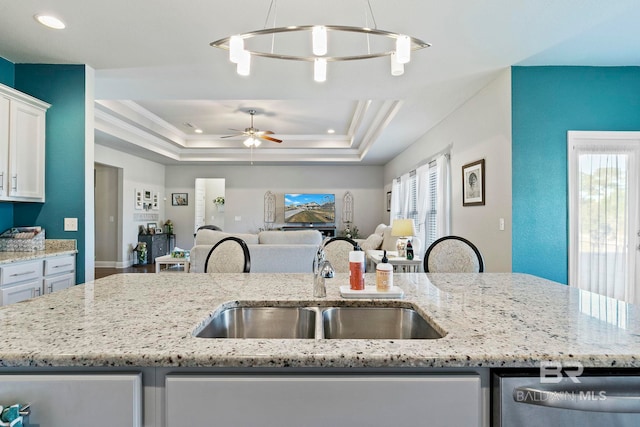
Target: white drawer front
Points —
{"points": [[77, 400], [60, 264], [20, 272]]}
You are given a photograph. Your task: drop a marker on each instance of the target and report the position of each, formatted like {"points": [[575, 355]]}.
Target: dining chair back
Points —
{"points": [[229, 255], [453, 254], [336, 250]]}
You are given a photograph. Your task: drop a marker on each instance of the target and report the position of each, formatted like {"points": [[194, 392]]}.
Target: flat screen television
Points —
{"points": [[310, 208]]}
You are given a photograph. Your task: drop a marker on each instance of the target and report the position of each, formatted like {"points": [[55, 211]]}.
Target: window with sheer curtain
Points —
{"points": [[603, 186], [423, 195]]}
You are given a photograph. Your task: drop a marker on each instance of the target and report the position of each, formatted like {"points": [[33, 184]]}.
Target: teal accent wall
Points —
{"points": [[62, 86], [546, 103], [7, 77], [7, 72]]}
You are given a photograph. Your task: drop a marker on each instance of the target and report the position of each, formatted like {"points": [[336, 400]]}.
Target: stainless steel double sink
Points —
{"points": [[310, 322]]}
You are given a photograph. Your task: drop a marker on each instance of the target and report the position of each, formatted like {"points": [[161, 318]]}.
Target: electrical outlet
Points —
{"points": [[238, 218], [71, 224], [501, 224]]}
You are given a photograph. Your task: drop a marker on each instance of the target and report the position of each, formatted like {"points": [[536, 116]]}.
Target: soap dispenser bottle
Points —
{"points": [[384, 274], [409, 250]]}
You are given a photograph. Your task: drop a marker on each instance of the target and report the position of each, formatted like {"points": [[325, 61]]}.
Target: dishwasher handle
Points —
{"points": [[621, 399]]}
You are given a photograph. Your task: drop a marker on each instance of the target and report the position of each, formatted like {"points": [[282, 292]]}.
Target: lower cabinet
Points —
{"points": [[15, 293], [59, 273], [76, 400], [323, 400], [20, 281]]}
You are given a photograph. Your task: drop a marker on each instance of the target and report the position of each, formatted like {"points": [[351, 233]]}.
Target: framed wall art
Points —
{"points": [[179, 199], [473, 177]]}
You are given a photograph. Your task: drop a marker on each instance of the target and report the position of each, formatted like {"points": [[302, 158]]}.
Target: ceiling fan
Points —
{"points": [[254, 135]]}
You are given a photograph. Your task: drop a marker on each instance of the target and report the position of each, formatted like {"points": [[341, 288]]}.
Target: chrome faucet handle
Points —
{"points": [[327, 271]]}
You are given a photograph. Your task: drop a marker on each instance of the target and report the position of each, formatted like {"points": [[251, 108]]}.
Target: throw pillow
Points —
{"points": [[372, 242], [380, 229]]}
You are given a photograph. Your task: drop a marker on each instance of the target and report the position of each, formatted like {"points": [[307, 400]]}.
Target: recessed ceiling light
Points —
{"points": [[331, 131], [50, 21], [198, 131]]}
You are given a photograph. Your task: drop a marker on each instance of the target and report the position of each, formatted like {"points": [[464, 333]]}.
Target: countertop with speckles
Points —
{"points": [[148, 320], [52, 247]]}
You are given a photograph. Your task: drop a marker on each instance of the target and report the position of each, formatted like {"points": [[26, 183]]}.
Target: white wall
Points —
{"points": [[479, 129], [247, 184], [136, 173]]}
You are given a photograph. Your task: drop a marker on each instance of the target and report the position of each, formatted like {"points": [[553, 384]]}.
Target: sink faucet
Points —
{"points": [[322, 270]]}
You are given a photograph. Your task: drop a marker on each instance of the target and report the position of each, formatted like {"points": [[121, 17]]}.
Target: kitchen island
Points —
{"points": [[145, 323]]}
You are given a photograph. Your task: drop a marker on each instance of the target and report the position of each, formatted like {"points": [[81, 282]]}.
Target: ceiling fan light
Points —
{"points": [[252, 142], [403, 49], [319, 40], [244, 63], [320, 70], [397, 69], [236, 46]]}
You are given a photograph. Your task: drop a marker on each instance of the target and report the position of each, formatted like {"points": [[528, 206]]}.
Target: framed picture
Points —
{"points": [[147, 195], [388, 201], [151, 226], [179, 199], [138, 201], [473, 184]]}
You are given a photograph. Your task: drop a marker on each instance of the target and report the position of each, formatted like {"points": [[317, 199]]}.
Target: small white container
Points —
{"points": [[384, 277]]}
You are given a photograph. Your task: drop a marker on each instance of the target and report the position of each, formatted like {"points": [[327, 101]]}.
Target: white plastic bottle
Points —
{"points": [[384, 275]]}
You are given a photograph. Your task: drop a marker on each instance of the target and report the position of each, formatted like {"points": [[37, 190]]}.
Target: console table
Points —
{"points": [[325, 230], [408, 265]]}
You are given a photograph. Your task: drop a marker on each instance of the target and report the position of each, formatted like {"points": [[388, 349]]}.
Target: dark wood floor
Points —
{"points": [[103, 272]]}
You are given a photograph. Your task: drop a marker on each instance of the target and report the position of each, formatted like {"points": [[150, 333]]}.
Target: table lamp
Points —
{"points": [[403, 229]]}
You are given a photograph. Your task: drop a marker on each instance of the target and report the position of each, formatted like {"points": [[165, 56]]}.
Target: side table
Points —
{"points": [[168, 261], [407, 265]]}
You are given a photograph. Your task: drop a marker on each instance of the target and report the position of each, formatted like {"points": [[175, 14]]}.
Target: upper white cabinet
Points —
{"points": [[22, 146]]}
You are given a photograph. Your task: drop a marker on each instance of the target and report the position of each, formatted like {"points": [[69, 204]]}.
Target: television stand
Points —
{"points": [[325, 230]]}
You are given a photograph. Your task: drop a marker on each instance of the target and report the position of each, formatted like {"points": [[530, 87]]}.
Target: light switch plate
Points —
{"points": [[71, 224]]}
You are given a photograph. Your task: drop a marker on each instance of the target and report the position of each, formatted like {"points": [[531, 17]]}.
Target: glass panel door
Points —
{"points": [[603, 212]]}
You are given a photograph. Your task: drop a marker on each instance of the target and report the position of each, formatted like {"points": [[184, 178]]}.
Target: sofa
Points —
{"points": [[271, 251], [382, 240]]}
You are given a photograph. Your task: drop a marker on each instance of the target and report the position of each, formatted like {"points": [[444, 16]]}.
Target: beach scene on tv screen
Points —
{"points": [[318, 208]]}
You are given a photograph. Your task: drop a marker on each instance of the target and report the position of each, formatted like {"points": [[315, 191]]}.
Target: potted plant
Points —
{"points": [[219, 202]]}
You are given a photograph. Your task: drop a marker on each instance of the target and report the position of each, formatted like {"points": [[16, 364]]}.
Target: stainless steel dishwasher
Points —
{"points": [[598, 398]]}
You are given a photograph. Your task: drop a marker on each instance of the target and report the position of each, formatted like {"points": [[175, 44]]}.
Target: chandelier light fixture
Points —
{"points": [[399, 50]]}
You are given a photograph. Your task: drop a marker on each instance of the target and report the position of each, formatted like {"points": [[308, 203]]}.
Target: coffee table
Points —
{"points": [[168, 261], [407, 265]]}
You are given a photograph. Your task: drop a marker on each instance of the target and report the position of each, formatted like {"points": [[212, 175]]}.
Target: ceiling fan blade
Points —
{"points": [[265, 132], [231, 136], [268, 138]]}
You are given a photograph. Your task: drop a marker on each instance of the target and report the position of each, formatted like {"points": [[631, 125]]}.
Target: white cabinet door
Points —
{"points": [[23, 291], [77, 400], [26, 152], [4, 145], [22, 146], [323, 400], [57, 283]]}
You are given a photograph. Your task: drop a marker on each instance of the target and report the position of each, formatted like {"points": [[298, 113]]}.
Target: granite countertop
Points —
{"points": [[147, 320], [52, 247]]}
